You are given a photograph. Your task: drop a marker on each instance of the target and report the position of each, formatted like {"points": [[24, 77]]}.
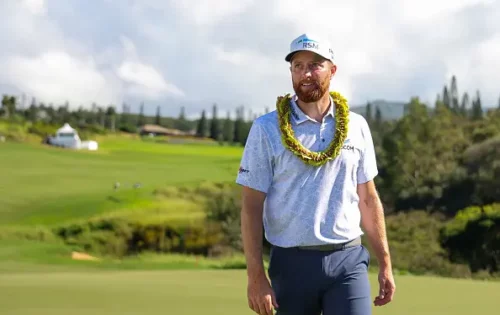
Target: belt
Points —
{"points": [[333, 247]]}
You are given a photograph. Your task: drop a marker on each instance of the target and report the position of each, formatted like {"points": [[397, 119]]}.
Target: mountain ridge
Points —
{"points": [[389, 109]]}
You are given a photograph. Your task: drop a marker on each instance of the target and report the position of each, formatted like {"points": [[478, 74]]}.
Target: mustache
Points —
{"points": [[309, 82]]}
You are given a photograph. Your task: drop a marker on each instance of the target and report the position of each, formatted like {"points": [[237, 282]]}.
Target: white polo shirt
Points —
{"points": [[308, 205]]}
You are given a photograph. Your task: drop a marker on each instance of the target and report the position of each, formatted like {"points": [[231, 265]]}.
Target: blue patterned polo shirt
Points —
{"points": [[308, 205]]}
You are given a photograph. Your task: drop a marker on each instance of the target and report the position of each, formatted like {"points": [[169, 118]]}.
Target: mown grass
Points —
{"points": [[47, 185], [43, 188], [210, 292], [23, 256]]}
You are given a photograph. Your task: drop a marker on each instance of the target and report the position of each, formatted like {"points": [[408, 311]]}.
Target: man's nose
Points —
{"points": [[307, 73]]}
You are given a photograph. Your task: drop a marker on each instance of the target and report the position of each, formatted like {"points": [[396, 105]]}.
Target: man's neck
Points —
{"points": [[316, 110]]}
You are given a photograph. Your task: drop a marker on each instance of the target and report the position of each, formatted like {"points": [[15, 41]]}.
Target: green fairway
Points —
{"points": [[47, 185], [210, 293]]}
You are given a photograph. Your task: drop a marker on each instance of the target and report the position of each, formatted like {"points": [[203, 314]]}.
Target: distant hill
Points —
{"points": [[390, 109]]}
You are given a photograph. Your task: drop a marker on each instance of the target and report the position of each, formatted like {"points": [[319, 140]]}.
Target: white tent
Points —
{"points": [[68, 137], [67, 131]]}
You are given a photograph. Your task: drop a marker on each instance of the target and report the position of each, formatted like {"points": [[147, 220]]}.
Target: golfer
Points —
{"points": [[307, 173]]}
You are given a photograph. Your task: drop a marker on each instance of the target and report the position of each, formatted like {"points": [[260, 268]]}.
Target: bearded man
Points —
{"points": [[307, 176]]}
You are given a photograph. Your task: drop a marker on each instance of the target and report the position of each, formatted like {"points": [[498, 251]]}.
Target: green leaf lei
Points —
{"points": [[291, 143]]}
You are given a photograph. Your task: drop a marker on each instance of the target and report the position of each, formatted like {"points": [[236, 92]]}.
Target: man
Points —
{"points": [[312, 206]]}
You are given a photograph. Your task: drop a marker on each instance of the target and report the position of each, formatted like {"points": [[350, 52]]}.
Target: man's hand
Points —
{"points": [[261, 297], [387, 287]]}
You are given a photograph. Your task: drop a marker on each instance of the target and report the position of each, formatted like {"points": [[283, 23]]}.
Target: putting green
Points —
{"points": [[210, 292]]}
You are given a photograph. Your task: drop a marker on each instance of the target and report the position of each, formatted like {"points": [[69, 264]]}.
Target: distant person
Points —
{"points": [[307, 173]]}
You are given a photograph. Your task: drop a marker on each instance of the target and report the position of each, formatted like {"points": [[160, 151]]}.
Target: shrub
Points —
{"points": [[224, 207], [27, 233], [122, 236], [42, 129], [473, 237], [414, 240], [14, 133]]}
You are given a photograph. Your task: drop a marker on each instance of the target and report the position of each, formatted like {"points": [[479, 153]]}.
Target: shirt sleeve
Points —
{"points": [[255, 170], [367, 169]]}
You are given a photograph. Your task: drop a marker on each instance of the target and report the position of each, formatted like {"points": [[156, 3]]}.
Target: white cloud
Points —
{"points": [[233, 57], [145, 81], [418, 11], [44, 63], [231, 52], [204, 12], [149, 81], [56, 77], [478, 70], [35, 7]]}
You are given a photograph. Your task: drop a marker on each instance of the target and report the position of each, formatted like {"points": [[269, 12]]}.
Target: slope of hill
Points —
{"points": [[390, 109]]}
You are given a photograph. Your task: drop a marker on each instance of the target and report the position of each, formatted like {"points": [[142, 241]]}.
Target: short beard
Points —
{"points": [[314, 95]]}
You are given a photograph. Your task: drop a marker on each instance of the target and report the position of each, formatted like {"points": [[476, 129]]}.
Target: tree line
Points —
{"points": [[101, 119]]}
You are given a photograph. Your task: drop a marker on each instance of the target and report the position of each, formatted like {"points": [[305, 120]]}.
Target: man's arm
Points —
{"points": [[261, 297], [252, 230], [255, 177], [373, 224]]}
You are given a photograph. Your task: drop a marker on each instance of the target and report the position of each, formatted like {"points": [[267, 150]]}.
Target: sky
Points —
{"points": [[195, 53]]}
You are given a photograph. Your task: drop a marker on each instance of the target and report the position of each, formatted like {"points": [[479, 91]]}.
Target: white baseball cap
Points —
{"points": [[310, 43]]}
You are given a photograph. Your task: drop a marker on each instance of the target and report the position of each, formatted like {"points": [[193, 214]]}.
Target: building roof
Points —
{"points": [[161, 130], [66, 129]]}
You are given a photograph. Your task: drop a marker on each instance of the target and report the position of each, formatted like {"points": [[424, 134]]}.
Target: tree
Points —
{"points": [[464, 107], [378, 117], [420, 157], [239, 128], [124, 115], [454, 96], [158, 116], [182, 114], [32, 112], [141, 120], [101, 116], [181, 122], [369, 113], [439, 104], [9, 105], [214, 124], [111, 117], [228, 129], [201, 130], [472, 237], [477, 109], [446, 97]]}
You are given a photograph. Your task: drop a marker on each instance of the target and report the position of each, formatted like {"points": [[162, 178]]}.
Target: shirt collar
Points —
{"points": [[300, 117]]}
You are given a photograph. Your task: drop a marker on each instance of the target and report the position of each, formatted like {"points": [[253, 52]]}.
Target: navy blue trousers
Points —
{"points": [[310, 282]]}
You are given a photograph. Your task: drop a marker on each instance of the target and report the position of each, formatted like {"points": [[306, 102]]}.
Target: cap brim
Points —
{"points": [[288, 57]]}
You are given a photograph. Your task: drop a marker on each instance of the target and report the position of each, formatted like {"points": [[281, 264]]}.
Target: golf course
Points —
{"points": [[43, 187], [208, 292]]}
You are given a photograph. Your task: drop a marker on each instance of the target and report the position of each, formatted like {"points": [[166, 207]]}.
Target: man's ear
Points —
{"points": [[333, 70]]}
